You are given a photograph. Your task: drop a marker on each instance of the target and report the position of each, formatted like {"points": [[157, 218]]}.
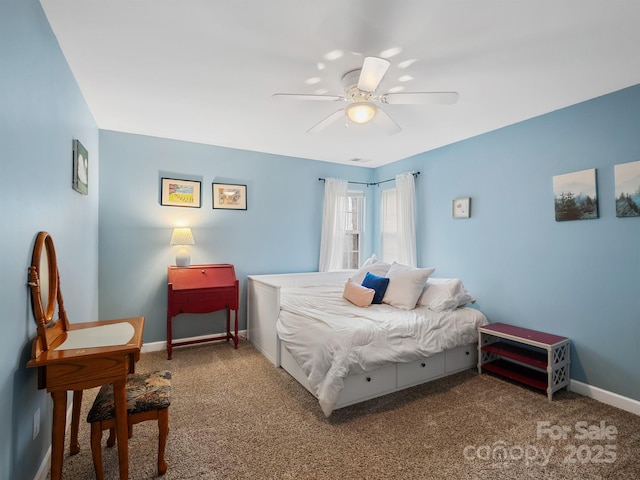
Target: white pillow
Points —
{"points": [[370, 261], [443, 294], [405, 285], [371, 265]]}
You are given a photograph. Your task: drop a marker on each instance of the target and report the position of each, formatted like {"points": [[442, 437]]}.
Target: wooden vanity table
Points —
{"points": [[75, 357]]}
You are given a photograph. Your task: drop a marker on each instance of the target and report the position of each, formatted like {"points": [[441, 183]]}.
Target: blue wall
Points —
{"points": [[41, 112], [279, 231], [579, 279]]}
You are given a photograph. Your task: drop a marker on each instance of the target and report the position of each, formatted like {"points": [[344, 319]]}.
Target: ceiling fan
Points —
{"points": [[360, 87]]}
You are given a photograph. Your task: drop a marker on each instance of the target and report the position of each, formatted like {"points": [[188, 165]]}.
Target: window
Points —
{"points": [[389, 226], [353, 229]]}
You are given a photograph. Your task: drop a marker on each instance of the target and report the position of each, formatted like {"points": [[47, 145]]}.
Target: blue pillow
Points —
{"points": [[379, 284]]}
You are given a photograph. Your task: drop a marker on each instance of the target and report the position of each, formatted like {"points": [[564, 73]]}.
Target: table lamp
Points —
{"points": [[182, 237]]}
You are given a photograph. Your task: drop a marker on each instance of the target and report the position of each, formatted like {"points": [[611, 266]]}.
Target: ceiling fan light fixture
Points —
{"points": [[361, 112]]}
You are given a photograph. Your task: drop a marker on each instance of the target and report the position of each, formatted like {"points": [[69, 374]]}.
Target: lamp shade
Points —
{"points": [[182, 236], [361, 112]]}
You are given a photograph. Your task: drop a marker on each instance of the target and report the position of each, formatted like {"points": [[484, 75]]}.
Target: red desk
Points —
{"points": [[202, 289]]}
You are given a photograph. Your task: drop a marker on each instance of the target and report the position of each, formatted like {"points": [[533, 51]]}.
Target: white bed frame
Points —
{"points": [[263, 308]]}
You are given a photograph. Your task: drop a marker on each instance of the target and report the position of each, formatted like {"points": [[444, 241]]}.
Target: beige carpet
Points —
{"points": [[235, 416]]}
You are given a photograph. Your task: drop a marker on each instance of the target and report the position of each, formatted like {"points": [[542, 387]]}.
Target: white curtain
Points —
{"points": [[406, 205], [334, 221]]}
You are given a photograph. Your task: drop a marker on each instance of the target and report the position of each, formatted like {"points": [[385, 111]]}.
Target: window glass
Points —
{"points": [[354, 226]]}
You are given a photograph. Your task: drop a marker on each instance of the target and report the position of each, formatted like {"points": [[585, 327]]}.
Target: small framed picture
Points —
{"points": [[231, 197], [180, 193], [80, 168], [461, 207]]}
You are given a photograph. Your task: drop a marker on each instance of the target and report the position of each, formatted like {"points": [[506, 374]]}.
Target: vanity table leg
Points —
{"points": [[57, 433], [122, 430], [74, 446]]}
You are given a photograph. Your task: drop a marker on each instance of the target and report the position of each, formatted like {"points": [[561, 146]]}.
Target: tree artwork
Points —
{"points": [[575, 195]]}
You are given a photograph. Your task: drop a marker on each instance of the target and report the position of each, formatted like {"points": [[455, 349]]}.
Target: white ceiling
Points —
{"points": [[204, 70]]}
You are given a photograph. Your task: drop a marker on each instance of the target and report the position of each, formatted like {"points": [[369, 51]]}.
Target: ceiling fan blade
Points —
{"points": [[322, 124], [373, 70], [305, 96], [385, 122], [434, 98]]}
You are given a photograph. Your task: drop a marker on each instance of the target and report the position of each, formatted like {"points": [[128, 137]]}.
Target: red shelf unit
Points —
{"points": [[540, 360]]}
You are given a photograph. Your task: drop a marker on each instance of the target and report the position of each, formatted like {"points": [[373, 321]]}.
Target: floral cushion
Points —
{"points": [[145, 392]]}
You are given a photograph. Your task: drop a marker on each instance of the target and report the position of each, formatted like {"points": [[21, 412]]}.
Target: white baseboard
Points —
{"points": [[45, 466], [153, 347], [604, 396], [156, 346]]}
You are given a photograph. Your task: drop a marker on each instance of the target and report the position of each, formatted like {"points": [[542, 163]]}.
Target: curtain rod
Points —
{"points": [[374, 184]]}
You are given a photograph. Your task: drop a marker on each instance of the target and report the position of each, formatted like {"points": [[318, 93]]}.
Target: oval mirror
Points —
{"points": [[43, 279]]}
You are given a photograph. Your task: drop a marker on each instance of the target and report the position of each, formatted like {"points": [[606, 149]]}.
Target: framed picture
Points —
{"points": [[80, 176], [627, 189], [231, 197], [180, 193], [461, 207], [575, 195]]}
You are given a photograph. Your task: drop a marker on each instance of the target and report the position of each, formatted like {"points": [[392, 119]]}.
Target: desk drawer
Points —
{"points": [[226, 294], [203, 301], [87, 373], [185, 298]]}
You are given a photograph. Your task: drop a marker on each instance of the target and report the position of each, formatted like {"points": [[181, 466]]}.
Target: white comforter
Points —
{"points": [[330, 337]]}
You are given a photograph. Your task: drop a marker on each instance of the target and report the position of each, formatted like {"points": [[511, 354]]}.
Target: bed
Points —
{"points": [[343, 353]]}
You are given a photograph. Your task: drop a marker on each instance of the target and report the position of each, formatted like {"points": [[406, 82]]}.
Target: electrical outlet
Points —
{"points": [[36, 423]]}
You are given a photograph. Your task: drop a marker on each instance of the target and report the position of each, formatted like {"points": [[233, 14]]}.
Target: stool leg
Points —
{"points": [[111, 441], [163, 432], [96, 449]]}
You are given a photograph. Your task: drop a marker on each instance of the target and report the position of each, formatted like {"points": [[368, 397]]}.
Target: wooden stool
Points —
{"points": [[148, 398]]}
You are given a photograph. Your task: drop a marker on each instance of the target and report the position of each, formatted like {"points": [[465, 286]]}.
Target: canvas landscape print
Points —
{"points": [[575, 195], [628, 189]]}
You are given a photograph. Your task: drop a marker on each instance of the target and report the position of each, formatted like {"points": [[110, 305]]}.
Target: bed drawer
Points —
{"points": [[367, 385], [461, 358], [420, 371]]}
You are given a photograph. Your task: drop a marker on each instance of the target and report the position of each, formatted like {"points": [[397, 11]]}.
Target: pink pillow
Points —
{"points": [[357, 294]]}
